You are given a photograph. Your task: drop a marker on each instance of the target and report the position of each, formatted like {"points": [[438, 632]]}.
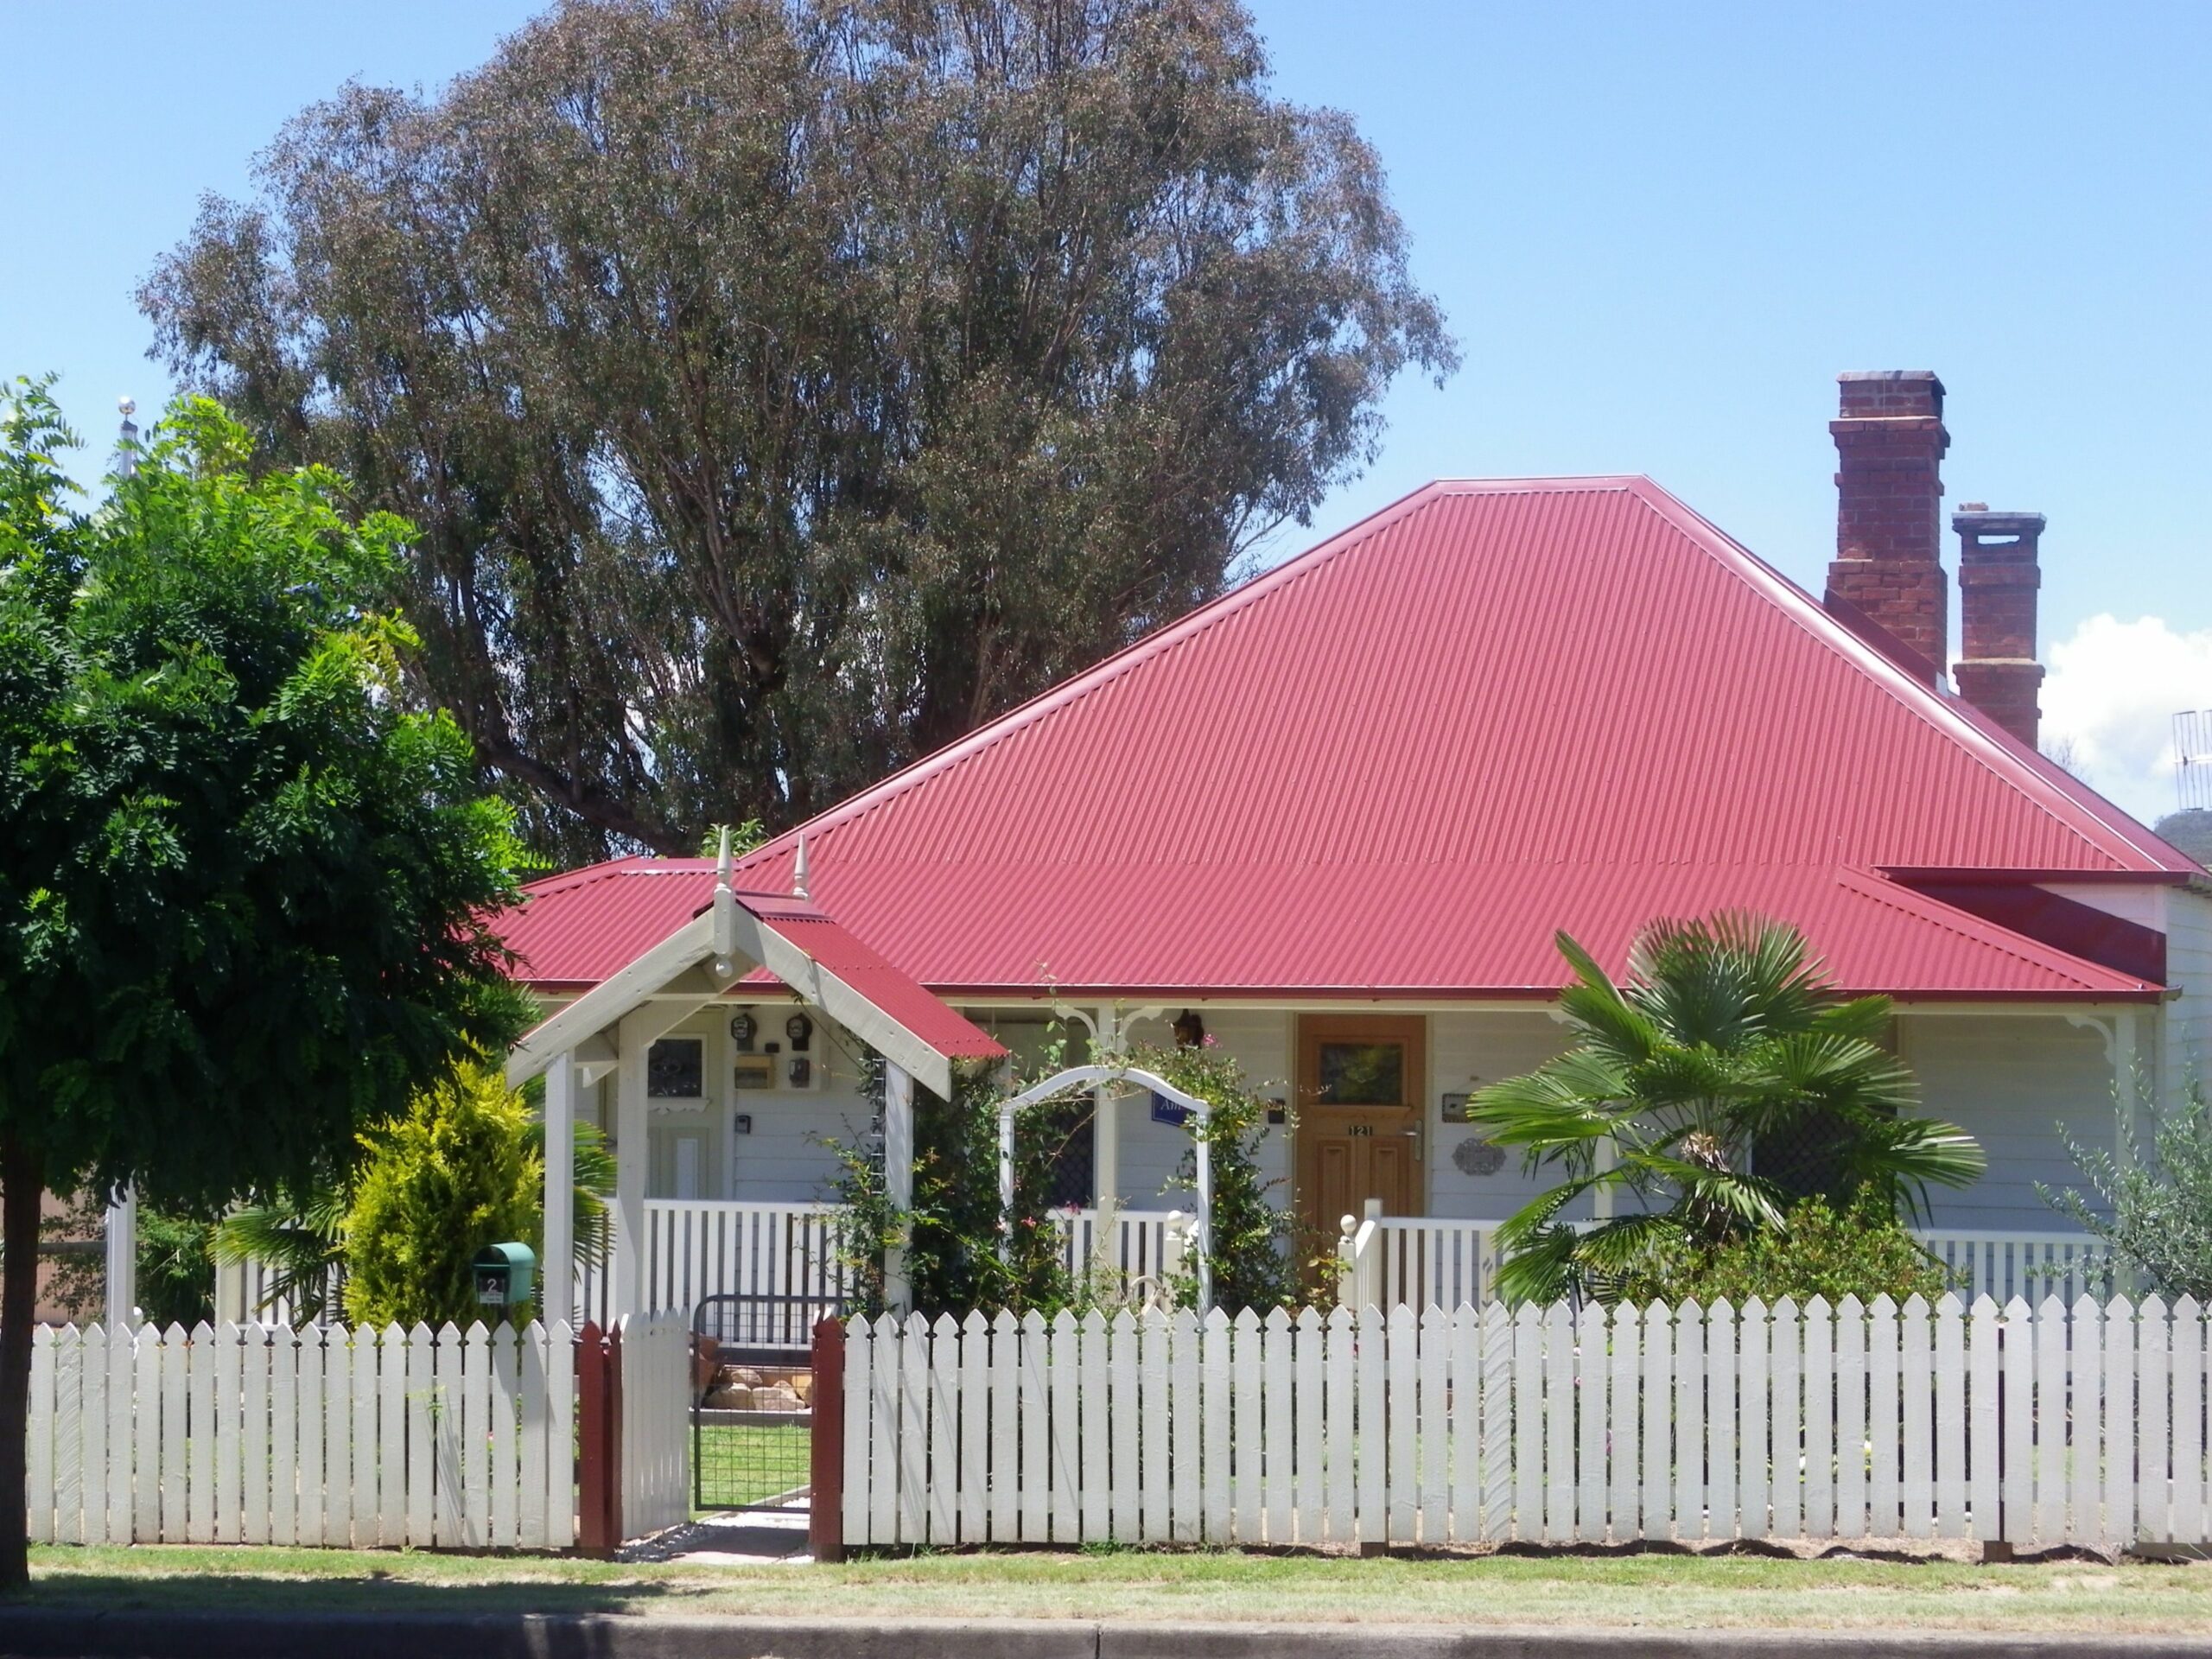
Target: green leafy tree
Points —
{"points": [[242, 884], [1726, 1035], [2155, 1211], [783, 387], [459, 1172], [176, 1275]]}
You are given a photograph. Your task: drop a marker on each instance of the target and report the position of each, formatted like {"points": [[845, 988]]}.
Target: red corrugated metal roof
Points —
{"points": [[578, 929], [1396, 764]]}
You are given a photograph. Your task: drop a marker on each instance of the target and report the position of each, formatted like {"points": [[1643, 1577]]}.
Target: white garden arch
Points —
{"points": [[1076, 1077]]}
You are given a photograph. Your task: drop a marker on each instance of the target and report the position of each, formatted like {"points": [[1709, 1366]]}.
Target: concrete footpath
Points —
{"points": [[40, 1633]]}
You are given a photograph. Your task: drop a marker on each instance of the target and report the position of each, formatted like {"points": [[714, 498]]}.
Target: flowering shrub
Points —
{"points": [[1256, 1247], [952, 1233]]}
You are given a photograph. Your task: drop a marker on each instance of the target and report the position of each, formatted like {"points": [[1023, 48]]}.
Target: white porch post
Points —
{"points": [[233, 1301], [1601, 1198], [556, 1284], [1105, 1122], [628, 1288], [2123, 1082], [897, 1177], [122, 1311]]}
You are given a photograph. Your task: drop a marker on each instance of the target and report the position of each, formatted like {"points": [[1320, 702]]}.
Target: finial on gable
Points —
{"points": [[127, 440], [722, 863], [798, 871]]}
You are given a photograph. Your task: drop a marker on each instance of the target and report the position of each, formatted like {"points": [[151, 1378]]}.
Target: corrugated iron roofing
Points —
{"points": [[579, 928], [1398, 762]]}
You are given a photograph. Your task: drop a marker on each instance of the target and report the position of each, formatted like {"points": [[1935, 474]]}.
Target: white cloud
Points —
{"points": [[2108, 704]]}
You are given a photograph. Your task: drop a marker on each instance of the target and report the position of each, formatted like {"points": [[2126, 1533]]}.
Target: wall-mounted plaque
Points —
{"points": [[1475, 1156]]}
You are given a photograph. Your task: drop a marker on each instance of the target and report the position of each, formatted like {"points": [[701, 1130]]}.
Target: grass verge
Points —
{"points": [[1650, 1590]]}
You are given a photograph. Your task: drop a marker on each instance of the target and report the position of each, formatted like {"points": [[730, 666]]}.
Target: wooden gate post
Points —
{"points": [[825, 1528], [599, 1440]]}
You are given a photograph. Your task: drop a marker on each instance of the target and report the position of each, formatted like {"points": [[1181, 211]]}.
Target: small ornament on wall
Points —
{"points": [[1475, 1156]]}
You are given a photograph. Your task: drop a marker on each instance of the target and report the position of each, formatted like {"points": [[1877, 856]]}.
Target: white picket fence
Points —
{"points": [[1549, 1424], [656, 1422], [259, 1434]]}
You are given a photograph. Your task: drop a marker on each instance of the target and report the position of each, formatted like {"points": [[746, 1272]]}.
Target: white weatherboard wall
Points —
{"points": [[788, 1154], [1259, 1040], [2010, 1080], [2186, 1054], [2082, 1426], [1466, 1053], [257, 1434]]}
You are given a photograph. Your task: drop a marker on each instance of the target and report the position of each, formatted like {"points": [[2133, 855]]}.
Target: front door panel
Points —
{"points": [[1360, 1088]]}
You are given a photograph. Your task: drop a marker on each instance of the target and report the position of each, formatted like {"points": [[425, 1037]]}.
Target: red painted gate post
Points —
{"points": [[825, 1527], [599, 1440]]}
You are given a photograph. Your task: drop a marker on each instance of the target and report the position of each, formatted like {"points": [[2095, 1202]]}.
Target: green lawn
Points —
{"points": [[1633, 1590], [741, 1464]]}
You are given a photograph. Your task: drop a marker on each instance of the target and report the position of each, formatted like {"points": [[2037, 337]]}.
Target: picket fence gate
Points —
{"points": [[1555, 1425], [656, 1422], [262, 1434]]}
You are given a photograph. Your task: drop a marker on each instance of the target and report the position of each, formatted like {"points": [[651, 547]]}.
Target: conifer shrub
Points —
{"points": [[459, 1171]]}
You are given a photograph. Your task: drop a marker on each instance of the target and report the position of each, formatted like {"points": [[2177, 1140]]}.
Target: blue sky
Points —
{"points": [[1660, 232]]}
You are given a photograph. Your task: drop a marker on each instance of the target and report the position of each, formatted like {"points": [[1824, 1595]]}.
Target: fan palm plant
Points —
{"points": [[1727, 1033]]}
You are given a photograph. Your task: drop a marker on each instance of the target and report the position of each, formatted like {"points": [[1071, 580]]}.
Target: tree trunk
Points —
{"points": [[23, 1192]]}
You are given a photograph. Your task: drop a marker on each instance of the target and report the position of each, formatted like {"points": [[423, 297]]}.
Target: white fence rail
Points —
{"points": [[1142, 1244], [261, 1434], [1423, 1261], [2003, 1265], [656, 1422], [697, 1248], [1552, 1424]]}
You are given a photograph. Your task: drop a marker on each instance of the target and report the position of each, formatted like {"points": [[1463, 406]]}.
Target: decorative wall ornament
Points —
{"points": [[1475, 1156]]}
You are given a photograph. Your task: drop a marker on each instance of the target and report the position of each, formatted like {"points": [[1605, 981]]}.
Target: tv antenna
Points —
{"points": [[2193, 759]]}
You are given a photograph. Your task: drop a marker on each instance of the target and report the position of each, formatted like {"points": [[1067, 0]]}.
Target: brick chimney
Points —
{"points": [[1888, 571], [1997, 669]]}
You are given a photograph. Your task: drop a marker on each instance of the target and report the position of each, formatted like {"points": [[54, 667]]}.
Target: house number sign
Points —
{"points": [[1360, 1130]]}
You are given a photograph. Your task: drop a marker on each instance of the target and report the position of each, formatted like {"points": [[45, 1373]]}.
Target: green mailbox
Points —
{"points": [[505, 1275]]}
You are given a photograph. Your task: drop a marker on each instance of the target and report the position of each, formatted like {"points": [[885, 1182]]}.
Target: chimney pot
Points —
{"points": [[1888, 570], [1998, 578]]}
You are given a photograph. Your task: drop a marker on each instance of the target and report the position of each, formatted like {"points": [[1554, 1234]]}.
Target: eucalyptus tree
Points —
{"points": [[783, 387], [243, 888], [1726, 1036]]}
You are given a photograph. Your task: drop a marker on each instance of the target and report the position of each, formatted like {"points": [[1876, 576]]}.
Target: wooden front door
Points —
{"points": [[1360, 1088]]}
